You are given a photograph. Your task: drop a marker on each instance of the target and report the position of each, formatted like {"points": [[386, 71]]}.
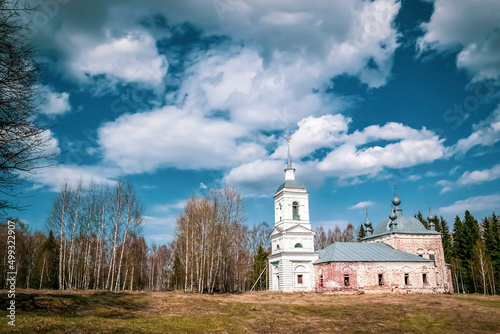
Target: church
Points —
{"points": [[397, 255]]}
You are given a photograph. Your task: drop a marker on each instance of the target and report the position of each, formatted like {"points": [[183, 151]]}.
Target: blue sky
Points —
{"points": [[178, 96]]}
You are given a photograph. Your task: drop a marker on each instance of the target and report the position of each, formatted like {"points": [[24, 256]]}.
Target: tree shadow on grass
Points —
{"points": [[100, 304]]}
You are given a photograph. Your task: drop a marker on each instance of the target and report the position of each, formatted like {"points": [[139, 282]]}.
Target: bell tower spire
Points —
{"points": [[289, 162], [289, 171]]}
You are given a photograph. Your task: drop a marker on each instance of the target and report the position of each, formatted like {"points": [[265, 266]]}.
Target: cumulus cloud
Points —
{"points": [[471, 27], [315, 133], [353, 161], [301, 45], [55, 177], [361, 205], [257, 177], [54, 103], [170, 137], [477, 203], [485, 133], [351, 154], [479, 176], [130, 58]]}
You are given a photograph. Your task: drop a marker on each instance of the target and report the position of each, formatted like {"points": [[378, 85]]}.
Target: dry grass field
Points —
{"points": [[255, 312]]}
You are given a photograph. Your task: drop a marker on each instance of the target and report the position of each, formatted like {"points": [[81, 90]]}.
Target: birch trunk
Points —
{"points": [[71, 247]]}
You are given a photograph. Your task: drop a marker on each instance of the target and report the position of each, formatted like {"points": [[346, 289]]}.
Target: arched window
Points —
{"points": [[277, 246], [299, 245], [296, 215]]}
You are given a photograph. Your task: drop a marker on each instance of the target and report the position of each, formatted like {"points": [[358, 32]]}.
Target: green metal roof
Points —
{"points": [[365, 252], [405, 224], [291, 184]]}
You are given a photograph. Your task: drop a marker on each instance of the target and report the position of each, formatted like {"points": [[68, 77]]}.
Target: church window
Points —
{"points": [[380, 279], [299, 279], [432, 255], [277, 246], [346, 280], [424, 278], [407, 279], [299, 245], [296, 215], [321, 281]]}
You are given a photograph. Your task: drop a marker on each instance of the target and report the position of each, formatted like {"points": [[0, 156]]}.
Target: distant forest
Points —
{"points": [[93, 240]]}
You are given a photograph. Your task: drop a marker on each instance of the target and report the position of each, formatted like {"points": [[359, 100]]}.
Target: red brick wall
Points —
{"points": [[422, 244], [363, 276]]}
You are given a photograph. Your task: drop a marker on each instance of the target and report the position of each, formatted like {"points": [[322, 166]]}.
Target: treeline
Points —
{"points": [[214, 250], [95, 241], [473, 251], [324, 238]]}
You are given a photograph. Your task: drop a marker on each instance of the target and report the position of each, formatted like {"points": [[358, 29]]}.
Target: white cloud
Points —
{"points": [[479, 176], [370, 161], [54, 103], [55, 177], [130, 58], [179, 205], [453, 171], [477, 203], [170, 137], [160, 230], [353, 155], [485, 133], [290, 49], [445, 190], [414, 177], [202, 186], [258, 177], [315, 133], [446, 185], [469, 26], [361, 205]]}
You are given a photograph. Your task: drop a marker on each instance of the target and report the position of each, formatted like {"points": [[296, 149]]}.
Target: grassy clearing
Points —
{"points": [[256, 312]]}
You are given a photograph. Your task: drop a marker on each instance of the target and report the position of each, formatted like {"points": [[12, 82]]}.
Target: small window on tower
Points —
{"points": [[380, 279], [299, 245], [299, 279], [424, 278], [296, 215], [346, 280], [321, 281], [277, 246], [407, 279]]}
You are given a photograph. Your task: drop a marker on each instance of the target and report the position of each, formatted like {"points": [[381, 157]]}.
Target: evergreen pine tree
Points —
{"points": [[458, 253], [422, 220], [470, 235], [178, 274], [259, 264], [445, 237], [492, 241], [47, 264], [361, 233]]}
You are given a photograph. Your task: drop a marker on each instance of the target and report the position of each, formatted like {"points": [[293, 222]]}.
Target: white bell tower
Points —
{"points": [[292, 256]]}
